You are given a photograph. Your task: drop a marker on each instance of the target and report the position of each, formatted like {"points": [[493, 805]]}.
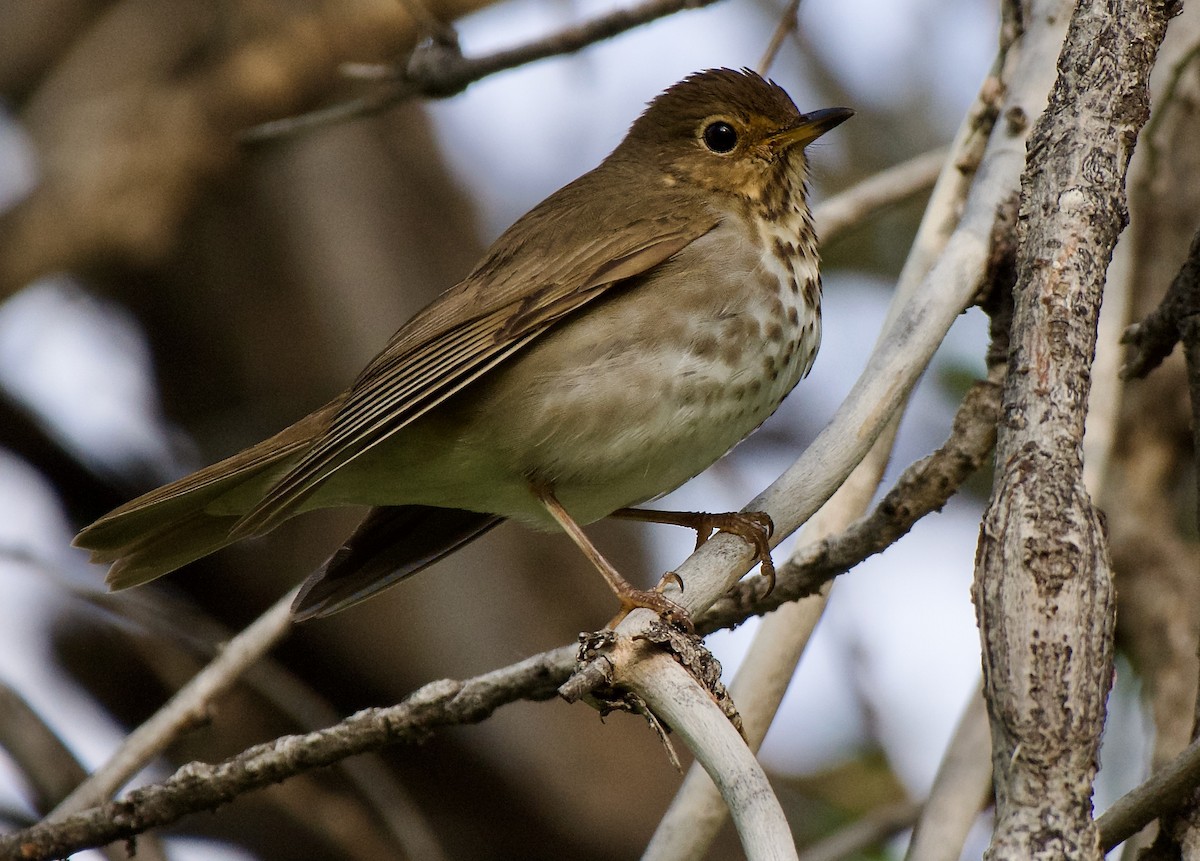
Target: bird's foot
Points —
{"points": [[654, 599], [753, 527]]}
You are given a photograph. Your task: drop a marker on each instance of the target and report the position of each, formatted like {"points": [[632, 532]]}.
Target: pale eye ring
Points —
{"points": [[720, 137]]}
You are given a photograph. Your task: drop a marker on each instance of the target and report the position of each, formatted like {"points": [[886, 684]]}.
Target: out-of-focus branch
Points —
{"points": [[892, 185], [438, 71], [123, 167], [1153, 339], [960, 790], [199, 786], [46, 763], [1160, 794], [787, 25], [869, 830], [184, 710]]}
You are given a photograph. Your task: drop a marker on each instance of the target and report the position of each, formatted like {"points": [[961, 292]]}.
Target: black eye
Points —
{"points": [[720, 137]]}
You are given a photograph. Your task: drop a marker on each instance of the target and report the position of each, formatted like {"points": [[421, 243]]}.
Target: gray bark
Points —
{"points": [[1043, 590]]}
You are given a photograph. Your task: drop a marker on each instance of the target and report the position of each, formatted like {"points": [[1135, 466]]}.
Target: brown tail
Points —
{"points": [[392, 542], [192, 517]]}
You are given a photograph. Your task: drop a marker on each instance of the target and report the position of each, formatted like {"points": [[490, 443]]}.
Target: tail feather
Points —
{"points": [[171, 546], [392, 542], [194, 516]]}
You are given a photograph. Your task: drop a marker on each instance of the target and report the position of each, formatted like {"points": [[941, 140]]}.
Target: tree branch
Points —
{"points": [[1043, 589], [1153, 339], [960, 790], [438, 71], [199, 786], [1160, 794], [184, 710], [924, 487], [675, 696]]}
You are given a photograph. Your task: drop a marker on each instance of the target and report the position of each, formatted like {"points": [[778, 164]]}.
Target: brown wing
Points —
{"points": [[543, 269]]}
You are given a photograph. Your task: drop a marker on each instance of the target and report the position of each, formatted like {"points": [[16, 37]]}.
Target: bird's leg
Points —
{"points": [[630, 597], [753, 527]]}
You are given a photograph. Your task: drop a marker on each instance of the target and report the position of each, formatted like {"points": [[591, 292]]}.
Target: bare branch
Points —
{"points": [[924, 487], [183, 711], [1162, 793], [787, 25], [1153, 339], [867, 831], [1043, 587], [960, 790], [198, 786], [686, 707], [439, 71], [839, 214], [46, 762]]}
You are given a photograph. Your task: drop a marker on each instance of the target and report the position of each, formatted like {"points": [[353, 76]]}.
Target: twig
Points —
{"points": [[46, 763], [1153, 339], [1161, 793], [183, 711], [897, 183], [922, 488], [387, 800], [867, 831], [696, 814], [960, 790], [787, 24], [436, 71], [199, 786]]}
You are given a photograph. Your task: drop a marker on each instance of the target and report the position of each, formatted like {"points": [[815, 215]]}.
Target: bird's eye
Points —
{"points": [[720, 137]]}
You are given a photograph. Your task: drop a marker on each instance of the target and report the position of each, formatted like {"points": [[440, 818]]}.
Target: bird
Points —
{"points": [[614, 342]]}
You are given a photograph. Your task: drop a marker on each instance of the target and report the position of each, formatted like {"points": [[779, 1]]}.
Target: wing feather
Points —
{"points": [[511, 298]]}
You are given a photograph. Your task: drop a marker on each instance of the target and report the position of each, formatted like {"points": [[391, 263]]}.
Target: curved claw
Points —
{"points": [[655, 600], [669, 577], [753, 527]]}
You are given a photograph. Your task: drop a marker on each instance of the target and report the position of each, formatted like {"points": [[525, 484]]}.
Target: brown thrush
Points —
{"points": [[613, 343]]}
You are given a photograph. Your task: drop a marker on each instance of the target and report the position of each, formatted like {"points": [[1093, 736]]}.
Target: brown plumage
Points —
{"points": [[585, 361]]}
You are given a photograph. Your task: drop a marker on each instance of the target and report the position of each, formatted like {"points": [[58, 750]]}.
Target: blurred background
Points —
{"points": [[173, 295]]}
